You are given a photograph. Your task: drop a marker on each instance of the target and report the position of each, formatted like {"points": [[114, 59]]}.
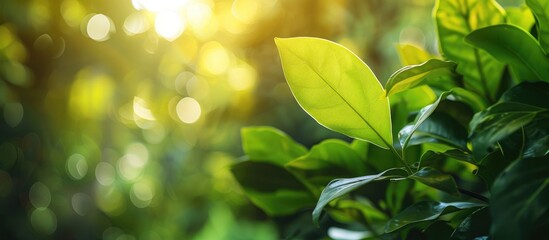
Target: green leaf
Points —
{"points": [[440, 128], [271, 145], [328, 160], [433, 72], [411, 55], [340, 187], [457, 18], [272, 188], [336, 88], [518, 205], [475, 225], [434, 178], [426, 211], [540, 8], [517, 107], [406, 133], [514, 46]]}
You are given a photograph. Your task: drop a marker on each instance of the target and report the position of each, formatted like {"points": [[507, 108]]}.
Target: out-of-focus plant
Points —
{"points": [[453, 147]]}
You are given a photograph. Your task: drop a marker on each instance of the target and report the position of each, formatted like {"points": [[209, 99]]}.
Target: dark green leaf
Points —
{"points": [[475, 225], [531, 93], [519, 200], [271, 145], [434, 178], [440, 128], [433, 72], [514, 46], [337, 89], [540, 8], [340, 187], [426, 211], [457, 18], [272, 188], [438, 230], [406, 133], [537, 139]]}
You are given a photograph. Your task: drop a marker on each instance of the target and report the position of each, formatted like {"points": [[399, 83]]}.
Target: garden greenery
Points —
{"points": [[453, 147]]}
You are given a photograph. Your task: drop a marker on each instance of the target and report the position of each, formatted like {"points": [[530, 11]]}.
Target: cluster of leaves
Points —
{"points": [[453, 147]]}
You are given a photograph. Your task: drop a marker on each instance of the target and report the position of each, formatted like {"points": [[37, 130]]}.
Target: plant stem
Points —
{"points": [[473, 195], [402, 159]]}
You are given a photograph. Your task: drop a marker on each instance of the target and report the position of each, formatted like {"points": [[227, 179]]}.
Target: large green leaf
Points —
{"points": [[269, 144], [272, 188], [514, 46], [436, 179], [336, 88], [426, 211], [457, 18], [406, 133], [328, 160], [540, 8], [434, 72], [340, 187], [519, 200]]}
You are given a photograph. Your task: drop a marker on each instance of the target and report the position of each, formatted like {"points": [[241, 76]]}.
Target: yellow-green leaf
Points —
{"points": [[336, 88]]}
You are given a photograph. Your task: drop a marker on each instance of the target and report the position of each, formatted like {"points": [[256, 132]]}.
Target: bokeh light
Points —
{"points": [[188, 110], [99, 27]]}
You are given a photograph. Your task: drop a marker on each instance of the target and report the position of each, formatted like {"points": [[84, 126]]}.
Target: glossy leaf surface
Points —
{"points": [[436, 179], [340, 187]]}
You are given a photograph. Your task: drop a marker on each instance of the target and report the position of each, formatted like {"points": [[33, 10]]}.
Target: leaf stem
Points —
{"points": [[402, 159], [473, 195]]}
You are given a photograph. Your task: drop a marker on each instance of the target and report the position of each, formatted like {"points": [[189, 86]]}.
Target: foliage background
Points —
{"points": [[116, 125]]}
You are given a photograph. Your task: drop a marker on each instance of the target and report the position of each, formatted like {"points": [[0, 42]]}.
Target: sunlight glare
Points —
{"points": [[169, 25]]}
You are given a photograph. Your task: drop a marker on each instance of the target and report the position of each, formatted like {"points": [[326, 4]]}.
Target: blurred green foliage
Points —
{"points": [[119, 119]]}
